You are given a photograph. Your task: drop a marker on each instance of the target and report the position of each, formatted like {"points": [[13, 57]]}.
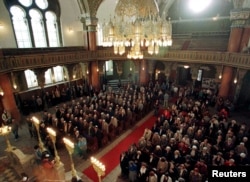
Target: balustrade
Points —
{"points": [[19, 62]]}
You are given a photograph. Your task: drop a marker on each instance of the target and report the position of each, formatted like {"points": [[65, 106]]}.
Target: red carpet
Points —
{"points": [[111, 159]]}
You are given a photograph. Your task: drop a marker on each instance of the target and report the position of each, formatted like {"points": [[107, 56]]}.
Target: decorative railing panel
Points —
{"points": [[39, 59]]}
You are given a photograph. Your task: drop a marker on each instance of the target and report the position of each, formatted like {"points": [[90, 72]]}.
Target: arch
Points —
{"points": [[244, 97]]}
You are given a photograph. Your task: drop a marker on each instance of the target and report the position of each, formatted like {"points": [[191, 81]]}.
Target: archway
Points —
{"points": [[244, 97]]}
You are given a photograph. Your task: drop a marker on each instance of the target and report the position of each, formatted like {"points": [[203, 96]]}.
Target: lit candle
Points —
{"points": [[35, 120], [68, 142], [51, 131]]}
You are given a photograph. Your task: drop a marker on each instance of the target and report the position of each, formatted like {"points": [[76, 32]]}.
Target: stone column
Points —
{"points": [[70, 68], [137, 71], [240, 19], [40, 74], [101, 72], [8, 99], [94, 75], [143, 71], [151, 67], [91, 23]]}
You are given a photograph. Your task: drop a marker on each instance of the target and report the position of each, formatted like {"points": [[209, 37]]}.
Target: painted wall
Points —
{"points": [[7, 39], [72, 28]]}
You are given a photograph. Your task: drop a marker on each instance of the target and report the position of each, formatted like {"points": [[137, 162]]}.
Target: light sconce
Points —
{"points": [[87, 72], [143, 63], [235, 80], [97, 66], [74, 76], [1, 91], [236, 76], [71, 30], [216, 17], [220, 76], [186, 66], [15, 86]]}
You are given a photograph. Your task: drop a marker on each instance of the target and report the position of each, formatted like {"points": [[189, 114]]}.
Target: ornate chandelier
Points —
{"points": [[137, 25]]}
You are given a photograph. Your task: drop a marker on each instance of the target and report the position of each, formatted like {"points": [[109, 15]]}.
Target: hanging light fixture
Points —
{"points": [[137, 25]]}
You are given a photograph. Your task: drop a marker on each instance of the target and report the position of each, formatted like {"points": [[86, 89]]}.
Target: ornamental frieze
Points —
{"points": [[236, 15], [23, 62]]}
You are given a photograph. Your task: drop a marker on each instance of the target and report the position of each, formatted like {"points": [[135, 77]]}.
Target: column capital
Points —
{"points": [[240, 17], [91, 23]]}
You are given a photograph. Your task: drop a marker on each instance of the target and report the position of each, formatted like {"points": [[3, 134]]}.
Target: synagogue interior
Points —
{"points": [[77, 78]]}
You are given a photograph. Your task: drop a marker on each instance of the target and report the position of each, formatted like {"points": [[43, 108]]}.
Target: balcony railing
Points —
{"points": [[16, 61]]}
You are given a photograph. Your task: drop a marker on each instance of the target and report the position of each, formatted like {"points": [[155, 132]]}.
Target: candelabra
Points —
{"points": [[70, 147], [4, 131], [52, 135], [37, 126], [98, 167]]}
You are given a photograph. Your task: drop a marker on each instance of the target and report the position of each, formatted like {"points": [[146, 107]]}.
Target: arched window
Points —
{"points": [[31, 78], [58, 73], [48, 77], [21, 28], [52, 29], [38, 27], [35, 23], [54, 75]]}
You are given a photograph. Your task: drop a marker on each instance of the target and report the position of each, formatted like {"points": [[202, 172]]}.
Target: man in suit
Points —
{"points": [[143, 173], [124, 164]]}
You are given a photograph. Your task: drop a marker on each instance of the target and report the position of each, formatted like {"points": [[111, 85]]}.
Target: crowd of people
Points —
{"points": [[187, 138], [93, 120]]}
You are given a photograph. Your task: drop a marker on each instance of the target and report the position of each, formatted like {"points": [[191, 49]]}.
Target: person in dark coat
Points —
{"points": [[143, 173], [124, 164], [152, 161], [98, 134]]}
